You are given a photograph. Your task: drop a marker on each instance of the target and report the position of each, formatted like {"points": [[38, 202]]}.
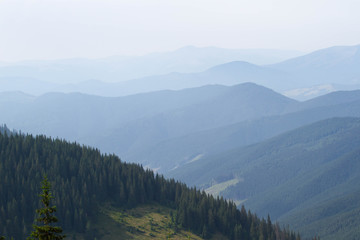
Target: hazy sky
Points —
{"points": [[50, 29]]}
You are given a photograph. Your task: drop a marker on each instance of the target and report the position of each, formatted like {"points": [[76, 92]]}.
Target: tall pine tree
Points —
{"points": [[45, 230]]}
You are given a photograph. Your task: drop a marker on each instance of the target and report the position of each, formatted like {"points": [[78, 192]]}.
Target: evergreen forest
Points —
{"points": [[83, 179]]}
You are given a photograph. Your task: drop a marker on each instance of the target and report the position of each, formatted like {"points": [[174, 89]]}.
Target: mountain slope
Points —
{"points": [[335, 217], [88, 184], [334, 98], [291, 175], [321, 59]]}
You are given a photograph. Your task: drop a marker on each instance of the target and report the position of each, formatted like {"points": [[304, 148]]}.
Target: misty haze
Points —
{"points": [[179, 120]]}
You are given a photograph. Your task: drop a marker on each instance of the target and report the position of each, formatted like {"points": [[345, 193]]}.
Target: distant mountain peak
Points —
{"points": [[234, 65]]}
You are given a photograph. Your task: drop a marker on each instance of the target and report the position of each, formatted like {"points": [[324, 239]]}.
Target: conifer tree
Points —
{"points": [[45, 230]]}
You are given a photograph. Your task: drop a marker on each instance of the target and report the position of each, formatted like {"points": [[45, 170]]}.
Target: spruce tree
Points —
{"points": [[45, 230]]}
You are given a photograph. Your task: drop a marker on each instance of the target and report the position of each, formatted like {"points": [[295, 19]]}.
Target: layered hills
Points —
{"points": [[303, 77], [105, 76], [126, 124], [232, 73]]}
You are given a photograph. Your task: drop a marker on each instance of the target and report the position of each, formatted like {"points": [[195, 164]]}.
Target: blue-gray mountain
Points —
{"points": [[232, 73], [129, 123]]}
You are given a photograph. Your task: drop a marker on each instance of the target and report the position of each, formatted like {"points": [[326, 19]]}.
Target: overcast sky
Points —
{"points": [[51, 29]]}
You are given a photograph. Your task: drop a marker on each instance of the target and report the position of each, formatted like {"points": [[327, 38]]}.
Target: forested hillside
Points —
{"points": [[300, 177], [83, 179]]}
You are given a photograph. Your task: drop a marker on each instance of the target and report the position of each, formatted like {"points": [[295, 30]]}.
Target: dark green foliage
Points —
{"points": [[45, 230], [83, 179]]}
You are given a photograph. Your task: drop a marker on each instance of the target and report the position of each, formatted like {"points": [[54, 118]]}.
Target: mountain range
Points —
{"points": [[86, 75], [300, 77]]}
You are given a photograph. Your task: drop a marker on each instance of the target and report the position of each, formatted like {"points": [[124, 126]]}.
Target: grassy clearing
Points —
{"points": [[142, 223], [147, 222], [217, 188]]}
